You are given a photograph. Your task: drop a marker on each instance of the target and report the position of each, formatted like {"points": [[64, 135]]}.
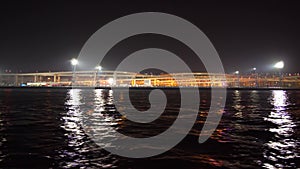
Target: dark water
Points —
{"points": [[40, 128]]}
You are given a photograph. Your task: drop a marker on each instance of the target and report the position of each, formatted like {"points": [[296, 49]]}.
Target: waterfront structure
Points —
{"points": [[123, 79]]}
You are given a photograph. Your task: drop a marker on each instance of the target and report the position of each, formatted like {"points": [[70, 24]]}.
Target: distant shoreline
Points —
{"points": [[147, 88]]}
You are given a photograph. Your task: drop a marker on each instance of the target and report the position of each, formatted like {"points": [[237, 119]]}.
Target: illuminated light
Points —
{"points": [[279, 65], [99, 68], [254, 68], [237, 72], [110, 81], [74, 62]]}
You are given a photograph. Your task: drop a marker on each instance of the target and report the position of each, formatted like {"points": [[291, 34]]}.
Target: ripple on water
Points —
{"points": [[44, 128]]}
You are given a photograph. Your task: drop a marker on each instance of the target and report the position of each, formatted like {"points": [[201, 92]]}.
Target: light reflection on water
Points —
{"points": [[281, 150], [74, 134], [2, 140], [44, 129], [101, 122], [78, 142], [237, 104], [97, 108]]}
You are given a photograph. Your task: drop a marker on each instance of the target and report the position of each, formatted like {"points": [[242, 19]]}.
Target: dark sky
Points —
{"points": [[45, 35]]}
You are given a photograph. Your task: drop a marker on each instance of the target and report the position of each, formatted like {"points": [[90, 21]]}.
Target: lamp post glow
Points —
{"points": [[74, 62], [98, 69], [279, 65], [238, 77], [256, 76]]}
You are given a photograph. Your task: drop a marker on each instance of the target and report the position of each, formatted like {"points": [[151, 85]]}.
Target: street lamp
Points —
{"points": [[279, 65], [238, 77], [256, 76], [98, 69], [74, 62]]}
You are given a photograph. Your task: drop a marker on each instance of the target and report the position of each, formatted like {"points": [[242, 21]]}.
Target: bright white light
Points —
{"points": [[74, 62], [98, 68], [237, 72], [254, 68], [279, 65], [110, 81]]}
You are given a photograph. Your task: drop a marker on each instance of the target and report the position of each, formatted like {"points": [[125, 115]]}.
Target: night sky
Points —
{"points": [[45, 35]]}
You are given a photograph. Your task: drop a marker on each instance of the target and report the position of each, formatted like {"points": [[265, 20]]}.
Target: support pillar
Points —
{"points": [[16, 80], [115, 79], [55, 78]]}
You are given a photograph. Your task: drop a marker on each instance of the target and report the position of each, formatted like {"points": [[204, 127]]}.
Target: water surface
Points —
{"points": [[41, 128]]}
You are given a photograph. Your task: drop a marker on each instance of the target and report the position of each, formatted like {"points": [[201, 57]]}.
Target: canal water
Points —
{"points": [[41, 128]]}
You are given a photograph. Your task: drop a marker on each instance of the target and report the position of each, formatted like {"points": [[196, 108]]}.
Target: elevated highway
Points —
{"points": [[111, 78]]}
